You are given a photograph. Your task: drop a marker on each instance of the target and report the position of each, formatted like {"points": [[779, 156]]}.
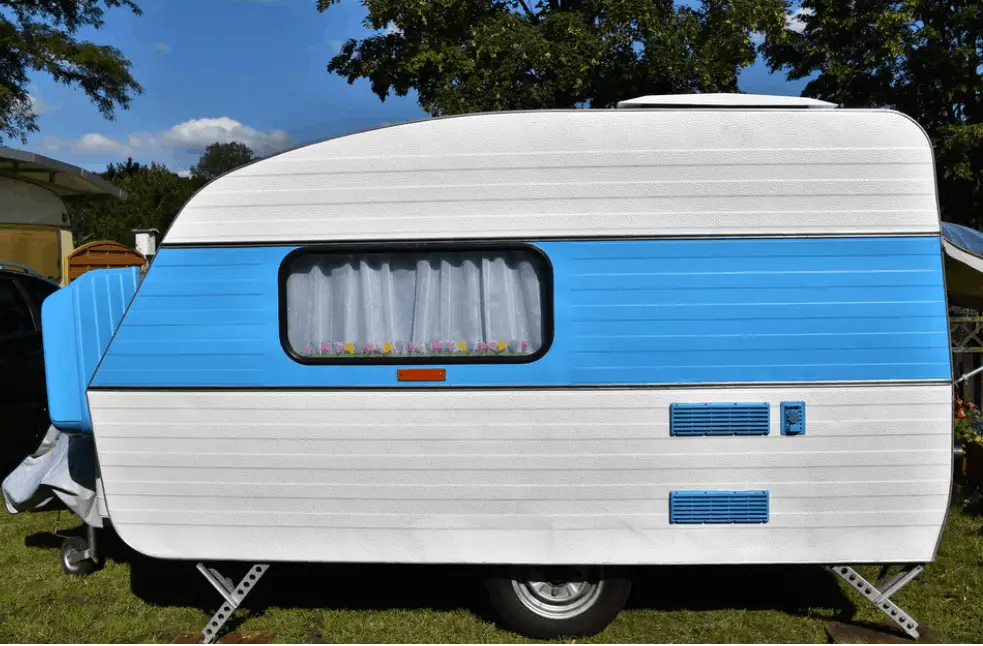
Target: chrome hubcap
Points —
{"points": [[72, 557], [557, 593]]}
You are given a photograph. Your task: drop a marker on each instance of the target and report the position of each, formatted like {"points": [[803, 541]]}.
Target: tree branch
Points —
{"points": [[529, 12]]}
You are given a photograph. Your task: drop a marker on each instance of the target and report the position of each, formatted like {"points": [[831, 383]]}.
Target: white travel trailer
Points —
{"points": [[703, 329]]}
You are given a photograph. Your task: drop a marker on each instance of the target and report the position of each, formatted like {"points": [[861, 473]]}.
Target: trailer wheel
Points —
{"points": [[74, 557], [550, 602]]}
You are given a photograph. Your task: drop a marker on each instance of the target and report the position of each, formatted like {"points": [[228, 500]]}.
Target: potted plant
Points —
{"points": [[969, 436]]}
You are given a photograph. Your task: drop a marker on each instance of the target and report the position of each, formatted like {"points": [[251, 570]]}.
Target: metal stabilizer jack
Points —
{"points": [[233, 595], [880, 593]]}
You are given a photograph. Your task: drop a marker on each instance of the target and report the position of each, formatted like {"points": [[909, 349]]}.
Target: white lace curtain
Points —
{"points": [[409, 304]]}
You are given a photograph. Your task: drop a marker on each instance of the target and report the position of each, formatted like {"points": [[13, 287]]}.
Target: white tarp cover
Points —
{"points": [[25, 203], [62, 467]]}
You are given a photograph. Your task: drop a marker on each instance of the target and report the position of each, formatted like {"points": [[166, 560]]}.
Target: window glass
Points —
{"points": [[15, 317], [37, 290], [428, 305]]}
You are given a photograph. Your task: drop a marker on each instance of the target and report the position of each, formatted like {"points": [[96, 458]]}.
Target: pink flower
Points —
{"points": [[309, 349], [338, 347], [525, 346], [436, 346], [325, 348], [399, 347], [409, 348], [482, 347], [419, 347], [367, 349]]}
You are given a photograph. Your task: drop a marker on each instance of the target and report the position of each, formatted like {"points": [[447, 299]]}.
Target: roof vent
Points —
{"points": [[722, 100]]}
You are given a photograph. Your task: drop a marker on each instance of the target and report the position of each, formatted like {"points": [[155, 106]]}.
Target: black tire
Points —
{"points": [[72, 561], [510, 593]]}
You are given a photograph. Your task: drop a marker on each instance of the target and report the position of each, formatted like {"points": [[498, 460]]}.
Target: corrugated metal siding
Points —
{"points": [[501, 476], [625, 312], [583, 173]]}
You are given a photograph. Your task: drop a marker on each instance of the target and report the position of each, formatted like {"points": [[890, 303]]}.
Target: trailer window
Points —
{"points": [[416, 305]]}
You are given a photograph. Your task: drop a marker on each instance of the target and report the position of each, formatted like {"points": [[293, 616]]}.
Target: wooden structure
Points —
{"points": [[40, 247], [102, 254]]}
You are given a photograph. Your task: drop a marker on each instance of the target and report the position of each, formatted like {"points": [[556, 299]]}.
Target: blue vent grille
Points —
{"points": [[719, 419], [793, 418], [717, 507]]}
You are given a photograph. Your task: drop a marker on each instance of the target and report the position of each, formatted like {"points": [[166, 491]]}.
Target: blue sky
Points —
{"points": [[249, 70]]}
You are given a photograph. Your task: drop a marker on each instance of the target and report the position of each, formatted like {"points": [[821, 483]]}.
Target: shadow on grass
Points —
{"points": [[796, 590], [973, 504], [806, 591]]}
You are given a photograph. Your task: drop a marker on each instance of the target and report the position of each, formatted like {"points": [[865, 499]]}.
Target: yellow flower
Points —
{"points": [[462, 345], [502, 345], [350, 348], [387, 347]]}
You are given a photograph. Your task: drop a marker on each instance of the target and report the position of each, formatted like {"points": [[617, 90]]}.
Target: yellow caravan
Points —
{"points": [[36, 196]]}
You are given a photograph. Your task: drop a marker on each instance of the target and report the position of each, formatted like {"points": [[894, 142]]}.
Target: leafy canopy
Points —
{"points": [[922, 57], [39, 36], [479, 55], [220, 158], [155, 195]]}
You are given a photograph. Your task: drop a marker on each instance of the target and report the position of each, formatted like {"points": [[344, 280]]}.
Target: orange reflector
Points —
{"points": [[421, 374]]}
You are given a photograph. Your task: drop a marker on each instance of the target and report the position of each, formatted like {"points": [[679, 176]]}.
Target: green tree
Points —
{"points": [[116, 172], [921, 57], [155, 195], [473, 55], [220, 158], [39, 36]]}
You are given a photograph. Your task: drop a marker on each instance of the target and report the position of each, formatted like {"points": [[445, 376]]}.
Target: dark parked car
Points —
{"points": [[23, 396]]}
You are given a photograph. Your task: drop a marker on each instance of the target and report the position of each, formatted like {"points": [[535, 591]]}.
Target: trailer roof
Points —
{"points": [[963, 265], [550, 174], [62, 179], [723, 100]]}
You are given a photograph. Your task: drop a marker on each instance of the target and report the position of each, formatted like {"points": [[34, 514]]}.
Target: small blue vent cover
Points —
{"points": [[719, 419], [718, 507], [793, 418]]}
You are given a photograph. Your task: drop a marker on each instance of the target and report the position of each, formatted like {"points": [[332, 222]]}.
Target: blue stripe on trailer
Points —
{"points": [[626, 312]]}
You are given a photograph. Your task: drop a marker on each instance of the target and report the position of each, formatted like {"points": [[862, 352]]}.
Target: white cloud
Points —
{"points": [[96, 143], [796, 19], [192, 136], [391, 28], [199, 133], [162, 47], [32, 105], [757, 37], [184, 173], [37, 105]]}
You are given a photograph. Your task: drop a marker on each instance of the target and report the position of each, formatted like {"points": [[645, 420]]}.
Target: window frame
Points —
{"points": [[546, 303], [29, 285], [34, 318]]}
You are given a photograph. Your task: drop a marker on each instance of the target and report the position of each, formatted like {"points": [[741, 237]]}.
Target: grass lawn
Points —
{"points": [[137, 600]]}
